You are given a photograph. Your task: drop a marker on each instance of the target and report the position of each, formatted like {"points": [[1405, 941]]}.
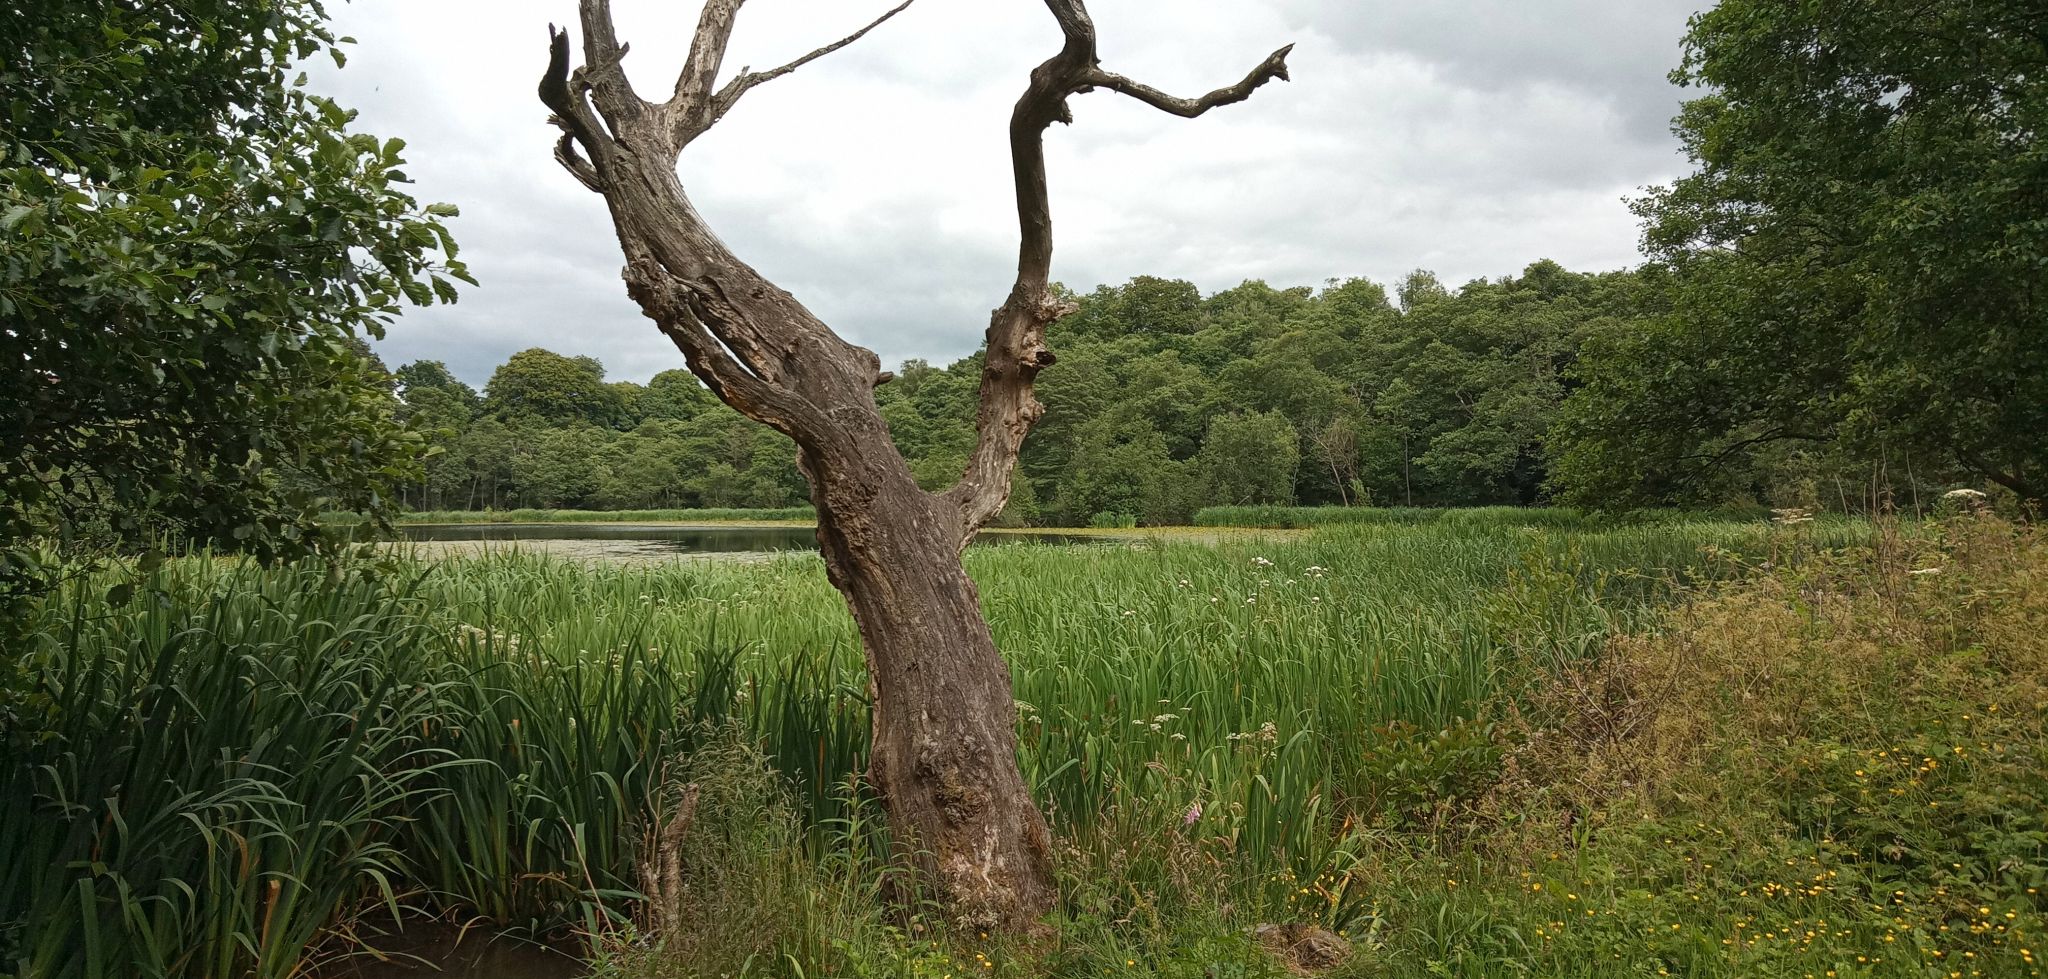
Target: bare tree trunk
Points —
{"points": [[945, 746]]}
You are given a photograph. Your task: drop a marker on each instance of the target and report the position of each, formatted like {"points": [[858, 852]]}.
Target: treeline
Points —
{"points": [[1163, 401]]}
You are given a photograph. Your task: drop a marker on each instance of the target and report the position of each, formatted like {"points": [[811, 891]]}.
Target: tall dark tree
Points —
{"points": [[944, 741]]}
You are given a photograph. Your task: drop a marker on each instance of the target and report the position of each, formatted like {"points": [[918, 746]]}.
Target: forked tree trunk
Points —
{"points": [[944, 758]]}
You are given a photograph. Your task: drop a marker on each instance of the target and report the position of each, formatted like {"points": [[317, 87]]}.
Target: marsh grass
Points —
{"points": [[243, 762], [1830, 766]]}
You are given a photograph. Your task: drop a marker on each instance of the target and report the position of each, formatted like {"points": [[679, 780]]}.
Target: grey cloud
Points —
{"points": [[1617, 51], [1471, 137]]}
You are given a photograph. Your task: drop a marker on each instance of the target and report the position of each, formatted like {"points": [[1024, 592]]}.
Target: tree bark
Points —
{"points": [[944, 753], [944, 757]]}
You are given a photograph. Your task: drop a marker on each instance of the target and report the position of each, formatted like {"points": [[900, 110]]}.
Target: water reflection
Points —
{"points": [[647, 542], [433, 949], [667, 537]]}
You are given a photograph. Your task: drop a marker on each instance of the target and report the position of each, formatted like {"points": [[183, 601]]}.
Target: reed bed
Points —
{"points": [[242, 769]]}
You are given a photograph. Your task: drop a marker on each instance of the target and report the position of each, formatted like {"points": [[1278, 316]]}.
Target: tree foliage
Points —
{"points": [[1860, 262], [192, 247], [1163, 401]]}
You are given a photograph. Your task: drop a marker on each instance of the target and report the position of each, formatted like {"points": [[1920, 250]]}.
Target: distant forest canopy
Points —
{"points": [[1163, 401]]}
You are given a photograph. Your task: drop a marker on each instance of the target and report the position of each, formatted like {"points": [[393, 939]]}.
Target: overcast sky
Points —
{"points": [[1468, 137]]}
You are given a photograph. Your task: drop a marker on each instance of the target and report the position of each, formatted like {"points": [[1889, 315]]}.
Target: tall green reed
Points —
{"points": [[245, 761]]}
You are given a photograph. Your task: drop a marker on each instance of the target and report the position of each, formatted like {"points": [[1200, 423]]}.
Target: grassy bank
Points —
{"points": [[1469, 518], [1430, 740]]}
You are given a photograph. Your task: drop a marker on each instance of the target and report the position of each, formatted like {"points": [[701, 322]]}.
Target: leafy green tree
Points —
{"points": [[630, 399], [1860, 260], [1124, 469], [424, 375], [547, 386], [677, 395], [557, 467], [438, 407], [1249, 459], [191, 249], [1144, 305]]}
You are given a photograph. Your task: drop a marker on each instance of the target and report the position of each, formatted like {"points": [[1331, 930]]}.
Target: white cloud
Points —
{"points": [[1466, 136]]}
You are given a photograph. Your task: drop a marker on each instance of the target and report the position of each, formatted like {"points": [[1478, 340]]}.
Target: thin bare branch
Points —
{"points": [[1275, 66], [746, 80]]}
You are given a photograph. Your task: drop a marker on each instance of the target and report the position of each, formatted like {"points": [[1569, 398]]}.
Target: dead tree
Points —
{"points": [[944, 755]]}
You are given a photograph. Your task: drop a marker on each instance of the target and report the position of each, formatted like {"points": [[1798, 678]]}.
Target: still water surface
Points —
{"points": [[432, 950], [643, 542]]}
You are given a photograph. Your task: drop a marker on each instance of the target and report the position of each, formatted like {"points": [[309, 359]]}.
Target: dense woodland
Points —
{"points": [[1163, 401]]}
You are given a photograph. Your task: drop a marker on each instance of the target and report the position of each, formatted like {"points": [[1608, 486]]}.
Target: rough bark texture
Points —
{"points": [[944, 757]]}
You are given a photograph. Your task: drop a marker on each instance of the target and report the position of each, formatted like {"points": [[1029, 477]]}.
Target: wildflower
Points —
{"points": [[1966, 497], [1259, 562], [1194, 813]]}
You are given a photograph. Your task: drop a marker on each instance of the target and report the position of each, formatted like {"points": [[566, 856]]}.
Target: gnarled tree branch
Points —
{"points": [[1275, 66], [1016, 349]]}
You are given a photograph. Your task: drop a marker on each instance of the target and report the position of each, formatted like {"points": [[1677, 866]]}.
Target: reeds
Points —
{"points": [[241, 762]]}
